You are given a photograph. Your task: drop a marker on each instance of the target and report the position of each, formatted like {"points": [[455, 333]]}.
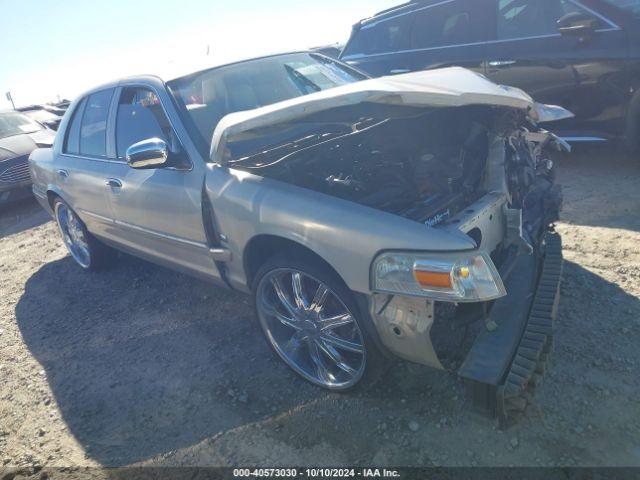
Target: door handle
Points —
{"points": [[63, 173], [398, 71], [501, 63], [113, 183]]}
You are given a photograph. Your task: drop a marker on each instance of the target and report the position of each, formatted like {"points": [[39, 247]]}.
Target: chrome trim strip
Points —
{"points": [[120, 162], [96, 216], [163, 236], [583, 139], [93, 159], [362, 55], [220, 254]]}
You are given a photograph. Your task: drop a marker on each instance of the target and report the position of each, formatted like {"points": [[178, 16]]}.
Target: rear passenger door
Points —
{"points": [[584, 75], [86, 161], [438, 34]]}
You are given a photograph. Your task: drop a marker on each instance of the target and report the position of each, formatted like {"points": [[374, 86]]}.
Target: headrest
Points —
{"points": [[242, 97], [212, 92]]}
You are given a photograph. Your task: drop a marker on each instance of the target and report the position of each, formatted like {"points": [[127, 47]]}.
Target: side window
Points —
{"points": [[385, 36], [93, 131], [530, 18], [450, 23], [72, 141], [140, 117]]}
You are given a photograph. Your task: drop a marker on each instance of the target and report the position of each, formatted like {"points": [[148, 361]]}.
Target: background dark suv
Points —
{"points": [[583, 55]]}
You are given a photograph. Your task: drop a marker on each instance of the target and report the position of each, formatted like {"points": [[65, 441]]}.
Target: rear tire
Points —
{"points": [[296, 298], [87, 251]]}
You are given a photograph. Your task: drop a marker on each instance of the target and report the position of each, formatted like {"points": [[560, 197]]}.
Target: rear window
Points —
{"points": [[383, 37], [452, 23], [93, 131], [632, 6], [72, 141]]}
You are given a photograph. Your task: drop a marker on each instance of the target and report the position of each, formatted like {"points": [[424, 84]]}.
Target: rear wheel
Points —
{"points": [[311, 321], [83, 247]]}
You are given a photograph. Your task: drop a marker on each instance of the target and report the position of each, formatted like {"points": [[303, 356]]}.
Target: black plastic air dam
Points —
{"points": [[505, 365]]}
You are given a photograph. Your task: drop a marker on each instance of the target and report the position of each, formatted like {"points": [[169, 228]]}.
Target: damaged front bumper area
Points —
{"points": [[508, 358], [498, 348]]}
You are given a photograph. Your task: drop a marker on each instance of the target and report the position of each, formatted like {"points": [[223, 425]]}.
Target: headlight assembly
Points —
{"points": [[460, 277]]}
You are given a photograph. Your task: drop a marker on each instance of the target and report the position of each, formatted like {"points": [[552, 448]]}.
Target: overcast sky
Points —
{"points": [[52, 48]]}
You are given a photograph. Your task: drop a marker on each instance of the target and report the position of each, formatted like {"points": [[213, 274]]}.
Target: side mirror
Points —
{"points": [[577, 24], [148, 154]]}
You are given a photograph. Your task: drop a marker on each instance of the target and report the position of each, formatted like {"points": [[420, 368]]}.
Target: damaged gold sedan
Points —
{"points": [[407, 216]]}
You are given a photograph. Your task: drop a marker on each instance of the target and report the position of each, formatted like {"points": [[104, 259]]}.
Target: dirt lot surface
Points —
{"points": [[142, 365]]}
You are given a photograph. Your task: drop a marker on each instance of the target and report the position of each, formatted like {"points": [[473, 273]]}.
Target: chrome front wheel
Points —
{"points": [[311, 328]]}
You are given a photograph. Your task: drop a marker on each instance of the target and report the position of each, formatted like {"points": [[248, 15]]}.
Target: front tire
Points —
{"points": [[83, 247], [312, 322]]}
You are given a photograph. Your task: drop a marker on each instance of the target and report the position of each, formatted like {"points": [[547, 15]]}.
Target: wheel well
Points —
{"points": [[262, 247]]}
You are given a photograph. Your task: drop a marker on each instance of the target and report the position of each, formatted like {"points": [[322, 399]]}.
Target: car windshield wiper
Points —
{"points": [[297, 77]]}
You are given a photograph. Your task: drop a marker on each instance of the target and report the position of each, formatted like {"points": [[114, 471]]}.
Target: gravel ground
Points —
{"points": [[139, 365]]}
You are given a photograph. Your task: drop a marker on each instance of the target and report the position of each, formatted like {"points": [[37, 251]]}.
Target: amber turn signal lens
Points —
{"points": [[433, 279]]}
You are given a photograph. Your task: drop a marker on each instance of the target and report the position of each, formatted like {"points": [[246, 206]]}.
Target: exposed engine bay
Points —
{"points": [[423, 164]]}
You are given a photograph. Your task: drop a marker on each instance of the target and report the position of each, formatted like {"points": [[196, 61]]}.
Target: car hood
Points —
{"points": [[447, 87], [20, 145]]}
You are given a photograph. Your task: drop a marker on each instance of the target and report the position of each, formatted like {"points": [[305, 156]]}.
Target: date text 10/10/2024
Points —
{"points": [[315, 473]]}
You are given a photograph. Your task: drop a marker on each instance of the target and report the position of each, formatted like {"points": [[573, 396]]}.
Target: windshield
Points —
{"points": [[14, 123], [206, 97], [632, 6]]}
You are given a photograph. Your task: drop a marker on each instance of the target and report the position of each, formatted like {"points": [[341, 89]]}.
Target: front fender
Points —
{"points": [[346, 235]]}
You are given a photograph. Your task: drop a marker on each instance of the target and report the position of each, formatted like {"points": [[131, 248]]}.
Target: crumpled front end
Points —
{"points": [[498, 346]]}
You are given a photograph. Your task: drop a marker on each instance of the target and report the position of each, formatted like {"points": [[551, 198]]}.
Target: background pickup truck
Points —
{"points": [[405, 216]]}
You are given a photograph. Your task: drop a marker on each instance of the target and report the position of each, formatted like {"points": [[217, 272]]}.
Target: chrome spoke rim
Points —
{"points": [[272, 311], [334, 355], [282, 296], [342, 343], [336, 321], [311, 329], [322, 371], [298, 294], [73, 235]]}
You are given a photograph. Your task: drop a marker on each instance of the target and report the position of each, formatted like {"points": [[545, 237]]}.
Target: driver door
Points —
{"points": [[158, 212]]}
